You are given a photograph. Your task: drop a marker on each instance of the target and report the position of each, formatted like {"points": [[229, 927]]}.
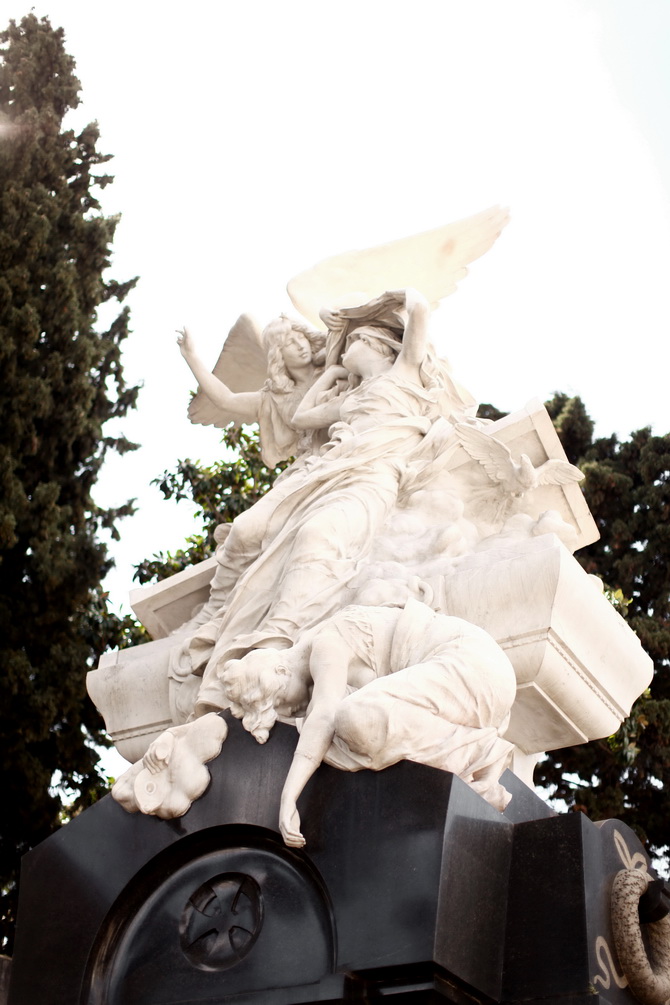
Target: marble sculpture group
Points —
{"points": [[406, 588]]}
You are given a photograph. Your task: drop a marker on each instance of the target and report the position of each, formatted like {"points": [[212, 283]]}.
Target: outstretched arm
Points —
{"points": [[245, 407], [329, 667]]}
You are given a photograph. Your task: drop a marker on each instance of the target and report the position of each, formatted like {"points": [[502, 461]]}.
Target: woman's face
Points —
{"points": [[359, 354], [296, 350], [294, 697]]}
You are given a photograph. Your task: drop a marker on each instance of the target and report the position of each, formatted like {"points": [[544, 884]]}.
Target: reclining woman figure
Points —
{"points": [[377, 685]]}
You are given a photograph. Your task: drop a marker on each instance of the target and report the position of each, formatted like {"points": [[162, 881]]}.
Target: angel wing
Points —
{"points": [[494, 456], [242, 366], [433, 262], [557, 472]]}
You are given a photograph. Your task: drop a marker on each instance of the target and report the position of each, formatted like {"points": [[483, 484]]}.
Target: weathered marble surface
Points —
{"points": [[400, 504]]}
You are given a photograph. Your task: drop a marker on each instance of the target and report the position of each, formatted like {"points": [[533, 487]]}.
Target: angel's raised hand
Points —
{"points": [[185, 342]]}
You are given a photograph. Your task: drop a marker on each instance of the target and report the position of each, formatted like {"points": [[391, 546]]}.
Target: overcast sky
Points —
{"points": [[252, 139]]}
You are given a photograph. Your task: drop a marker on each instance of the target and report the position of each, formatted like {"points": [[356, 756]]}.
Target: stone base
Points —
{"points": [[410, 885]]}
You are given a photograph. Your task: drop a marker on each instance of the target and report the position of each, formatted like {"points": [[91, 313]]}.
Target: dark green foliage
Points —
{"points": [[221, 492], [486, 411], [573, 424], [61, 381], [627, 487]]}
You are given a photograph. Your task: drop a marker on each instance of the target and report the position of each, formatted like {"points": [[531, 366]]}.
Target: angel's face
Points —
{"points": [[296, 350]]}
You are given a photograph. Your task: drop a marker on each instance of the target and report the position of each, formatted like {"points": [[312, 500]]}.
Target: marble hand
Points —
{"points": [[332, 318], [185, 342], [333, 374], [289, 825], [159, 753], [403, 295]]}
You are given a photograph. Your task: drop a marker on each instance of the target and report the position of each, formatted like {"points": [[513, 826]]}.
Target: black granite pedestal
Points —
{"points": [[411, 889]]}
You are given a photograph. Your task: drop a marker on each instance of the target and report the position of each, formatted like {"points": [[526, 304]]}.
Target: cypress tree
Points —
{"points": [[62, 380]]}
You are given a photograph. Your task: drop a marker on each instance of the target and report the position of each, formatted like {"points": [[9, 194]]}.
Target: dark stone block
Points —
{"points": [[225, 906], [5, 971], [410, 885], [546, 951]]}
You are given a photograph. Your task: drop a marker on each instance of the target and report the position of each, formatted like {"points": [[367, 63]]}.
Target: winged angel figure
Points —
{"points": [[259, 377], [267, 375], [261, 372]]}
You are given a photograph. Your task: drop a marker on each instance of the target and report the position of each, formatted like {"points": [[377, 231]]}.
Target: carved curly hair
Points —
{"points": [[253, 685], [274, 336]]}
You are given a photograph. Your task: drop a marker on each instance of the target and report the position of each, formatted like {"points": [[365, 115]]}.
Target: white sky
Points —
{"points": [[252, 139]]}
